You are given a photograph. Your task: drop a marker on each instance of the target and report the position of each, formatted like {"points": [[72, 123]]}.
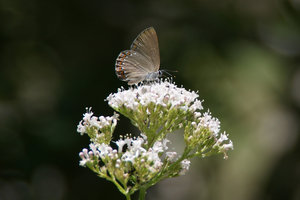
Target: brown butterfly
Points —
{"points": [[142, 61]]}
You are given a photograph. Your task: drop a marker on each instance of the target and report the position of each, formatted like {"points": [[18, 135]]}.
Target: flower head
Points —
{"points": [[157, 110], [98, 128], [162, 93]]}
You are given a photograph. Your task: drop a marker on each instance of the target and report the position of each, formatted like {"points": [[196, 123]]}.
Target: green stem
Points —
{"points": [[128, 196], [142, 194]]}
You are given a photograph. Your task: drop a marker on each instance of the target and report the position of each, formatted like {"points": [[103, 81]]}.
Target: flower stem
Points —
{"points": [[142, 194], [128, 196]]}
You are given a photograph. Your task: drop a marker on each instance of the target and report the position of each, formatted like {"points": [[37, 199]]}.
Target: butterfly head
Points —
{"points": [[153, 75]]}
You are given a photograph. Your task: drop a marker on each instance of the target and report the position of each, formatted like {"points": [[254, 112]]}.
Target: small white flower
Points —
{"points": [[197, 105], [194, 124], [197, 114], [212, 123], [120, 144], [185, 165], [94, 149], [134, 149], [128, 157], [154, 157], [81, 128], [104, 149], [128, 141], [93, 122], [160, 146], [87, 116], [228, 146], [84, 157], [223, 137], [136, 144], [171, 156]]}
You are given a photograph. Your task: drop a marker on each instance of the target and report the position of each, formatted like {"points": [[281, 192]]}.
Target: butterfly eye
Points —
{"points": [[160, 73]]}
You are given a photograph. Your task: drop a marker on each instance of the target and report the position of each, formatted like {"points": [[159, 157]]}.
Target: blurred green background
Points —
{"points": [[57, 57]]}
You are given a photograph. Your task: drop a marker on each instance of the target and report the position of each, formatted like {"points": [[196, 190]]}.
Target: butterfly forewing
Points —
{"points": [[146, 43]]}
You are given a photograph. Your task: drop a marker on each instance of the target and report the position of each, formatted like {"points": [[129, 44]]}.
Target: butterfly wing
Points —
{"points": [[132, 66], [142, 59], [146, 43]]}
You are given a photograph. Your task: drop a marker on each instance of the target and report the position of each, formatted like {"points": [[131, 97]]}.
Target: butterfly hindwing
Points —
{"points": [[131, 66]]}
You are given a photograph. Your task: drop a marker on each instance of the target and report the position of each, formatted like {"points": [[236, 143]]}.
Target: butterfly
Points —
{"points": [[142, 61]]}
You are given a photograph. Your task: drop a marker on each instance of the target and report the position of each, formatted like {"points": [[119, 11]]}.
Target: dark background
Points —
{"points": [[57, 57]]}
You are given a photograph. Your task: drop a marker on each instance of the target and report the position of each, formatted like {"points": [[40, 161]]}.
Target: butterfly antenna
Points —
{"points": [[167, 72]]}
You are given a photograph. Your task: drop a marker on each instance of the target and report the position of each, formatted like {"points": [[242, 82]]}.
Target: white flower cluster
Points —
{"points": [[160, 93], [156, 109], [90, 121], [206, 120], [134, 153], [97, 151]]}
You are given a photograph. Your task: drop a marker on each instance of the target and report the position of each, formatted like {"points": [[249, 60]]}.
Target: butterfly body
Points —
{"points": [[142, 61]]}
